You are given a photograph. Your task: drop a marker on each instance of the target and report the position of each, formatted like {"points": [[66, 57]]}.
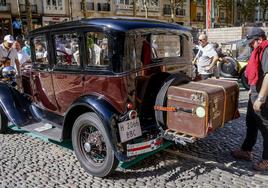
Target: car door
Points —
{"points": [[41, 75], [68, 78]]}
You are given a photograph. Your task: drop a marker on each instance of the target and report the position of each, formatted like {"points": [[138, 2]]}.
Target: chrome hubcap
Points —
{"points": [[87, 147]]}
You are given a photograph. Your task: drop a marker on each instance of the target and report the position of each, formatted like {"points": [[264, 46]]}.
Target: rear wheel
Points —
{"points": [[92, 145], [3, 122]]}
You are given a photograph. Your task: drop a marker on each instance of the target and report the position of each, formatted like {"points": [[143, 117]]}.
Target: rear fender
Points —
{"points": [[16, 106], [105, 111]]}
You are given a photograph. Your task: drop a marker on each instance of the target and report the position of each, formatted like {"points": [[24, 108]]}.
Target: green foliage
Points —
{"points": [[247, 9]]}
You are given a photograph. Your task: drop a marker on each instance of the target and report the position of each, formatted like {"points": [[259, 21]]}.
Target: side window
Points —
{"points": [[67, 50], [98, 49], [40, 50]]}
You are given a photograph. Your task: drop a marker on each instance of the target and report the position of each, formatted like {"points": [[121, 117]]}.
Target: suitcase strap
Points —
{"points": [[225, 100]]}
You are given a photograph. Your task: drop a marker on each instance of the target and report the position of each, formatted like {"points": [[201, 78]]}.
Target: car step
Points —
{"points": [[45, 129], [178, 138]]}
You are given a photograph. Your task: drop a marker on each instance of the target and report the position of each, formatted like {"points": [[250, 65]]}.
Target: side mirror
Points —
{"points": [[9, 72]]}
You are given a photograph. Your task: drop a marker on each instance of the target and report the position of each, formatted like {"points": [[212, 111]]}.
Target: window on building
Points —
{"points": [[67, 50], [125, 2], [222, 16], [40, 51], [98, 49], [199, 16], [154, 3], [3, 3], [54, 4]]}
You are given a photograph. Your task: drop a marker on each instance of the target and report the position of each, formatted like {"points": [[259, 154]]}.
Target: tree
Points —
{"points": [[134, 8], [28, 8], [247, 9], [264, 7], [84, 5]]}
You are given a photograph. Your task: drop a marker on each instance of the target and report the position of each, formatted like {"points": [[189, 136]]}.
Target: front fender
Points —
{"points": [[106, 112], [16, 106]]}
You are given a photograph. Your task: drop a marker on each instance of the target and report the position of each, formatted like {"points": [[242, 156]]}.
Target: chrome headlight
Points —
{"points": [[9, 72]]}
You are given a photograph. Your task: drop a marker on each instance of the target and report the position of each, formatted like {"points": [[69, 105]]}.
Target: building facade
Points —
{"points": [[13, 13]]}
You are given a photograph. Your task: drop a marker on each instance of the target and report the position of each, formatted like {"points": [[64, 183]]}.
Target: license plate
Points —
{"points": [[129, 129]]}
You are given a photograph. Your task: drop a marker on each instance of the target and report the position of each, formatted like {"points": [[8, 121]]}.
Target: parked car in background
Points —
{"points": [[233, 61], [102, 83]]}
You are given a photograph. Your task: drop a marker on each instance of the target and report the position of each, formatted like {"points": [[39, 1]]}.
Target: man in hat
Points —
{"points": [[257, 111], [8, 55]]}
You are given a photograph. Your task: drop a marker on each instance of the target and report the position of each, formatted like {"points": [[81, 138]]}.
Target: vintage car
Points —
{"points": [[102, 83]]}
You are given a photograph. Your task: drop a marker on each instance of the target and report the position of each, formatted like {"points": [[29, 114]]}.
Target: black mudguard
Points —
{"points": [[16, 106], [107, 113]]}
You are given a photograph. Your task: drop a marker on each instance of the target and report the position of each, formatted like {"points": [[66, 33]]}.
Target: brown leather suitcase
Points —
{"points": [[232, 96], [198, 108]]}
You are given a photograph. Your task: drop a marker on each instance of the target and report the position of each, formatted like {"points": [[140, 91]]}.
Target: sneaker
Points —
{"points": [[261, 165], [240, 154]]}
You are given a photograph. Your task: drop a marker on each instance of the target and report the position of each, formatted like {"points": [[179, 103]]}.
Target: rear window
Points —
{"points": [[165, 46], [146, 49]]}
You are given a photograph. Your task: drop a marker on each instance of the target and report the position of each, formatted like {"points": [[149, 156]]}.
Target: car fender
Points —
{"points": [[106, 112], [16, 106]]}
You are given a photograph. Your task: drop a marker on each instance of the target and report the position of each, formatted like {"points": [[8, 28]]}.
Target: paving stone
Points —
{"points": [[31, 162]]}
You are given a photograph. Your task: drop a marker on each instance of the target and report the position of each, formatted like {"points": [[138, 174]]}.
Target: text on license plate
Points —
{"points": [[129, 129]]}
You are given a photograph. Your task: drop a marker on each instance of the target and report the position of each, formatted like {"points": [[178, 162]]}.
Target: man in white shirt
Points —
{"points": [[207, 58], [22, 56], [8, 55]]}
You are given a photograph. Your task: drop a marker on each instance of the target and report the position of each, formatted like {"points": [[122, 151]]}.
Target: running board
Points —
{"points": [[45, 129], [178, 138]]}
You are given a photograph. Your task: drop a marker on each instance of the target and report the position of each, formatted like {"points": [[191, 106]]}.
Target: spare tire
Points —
{"points": [[228, 67], [161, 98]]}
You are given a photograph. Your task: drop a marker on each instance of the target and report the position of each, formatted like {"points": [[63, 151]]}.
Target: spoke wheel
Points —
{"points": [[92, 145]]}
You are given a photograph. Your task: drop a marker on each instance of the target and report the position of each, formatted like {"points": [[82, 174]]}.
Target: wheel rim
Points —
{"points": [[227, 67], [92, 145]]}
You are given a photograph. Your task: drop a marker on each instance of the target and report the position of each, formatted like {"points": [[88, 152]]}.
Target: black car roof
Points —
{"points": [[115, 23]]}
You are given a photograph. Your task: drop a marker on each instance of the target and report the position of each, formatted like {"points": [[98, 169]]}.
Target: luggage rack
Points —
{"points": [[178, 138]]}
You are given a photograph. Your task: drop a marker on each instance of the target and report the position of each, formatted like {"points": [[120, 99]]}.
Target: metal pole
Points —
{"points": [[206, 16]]}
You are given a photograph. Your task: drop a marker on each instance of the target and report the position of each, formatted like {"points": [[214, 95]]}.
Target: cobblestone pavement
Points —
{"points": [[31, 162]]}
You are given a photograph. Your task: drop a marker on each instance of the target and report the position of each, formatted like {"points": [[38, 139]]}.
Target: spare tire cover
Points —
{"points": [[161, 99]]}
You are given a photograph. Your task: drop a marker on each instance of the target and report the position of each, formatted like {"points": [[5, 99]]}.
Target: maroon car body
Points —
{"points": [[88, 82]]}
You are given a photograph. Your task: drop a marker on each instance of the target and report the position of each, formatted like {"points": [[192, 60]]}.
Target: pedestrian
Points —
{"points": [[8, 55], [26, 48], [257, 110], [206, 57], [22, 56]]}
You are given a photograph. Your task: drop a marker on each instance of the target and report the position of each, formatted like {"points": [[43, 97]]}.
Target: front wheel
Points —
{"points": [[3, 122], [92, 145]]}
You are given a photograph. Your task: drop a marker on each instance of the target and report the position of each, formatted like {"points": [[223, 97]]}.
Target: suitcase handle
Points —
{"points": [[191, 111], [174, 109]]}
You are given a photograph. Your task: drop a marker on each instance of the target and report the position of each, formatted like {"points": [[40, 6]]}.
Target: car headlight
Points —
{"points": [[9, 72]]}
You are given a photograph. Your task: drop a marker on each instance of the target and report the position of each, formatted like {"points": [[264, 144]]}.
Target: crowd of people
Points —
{"points": [[13, 54]]}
